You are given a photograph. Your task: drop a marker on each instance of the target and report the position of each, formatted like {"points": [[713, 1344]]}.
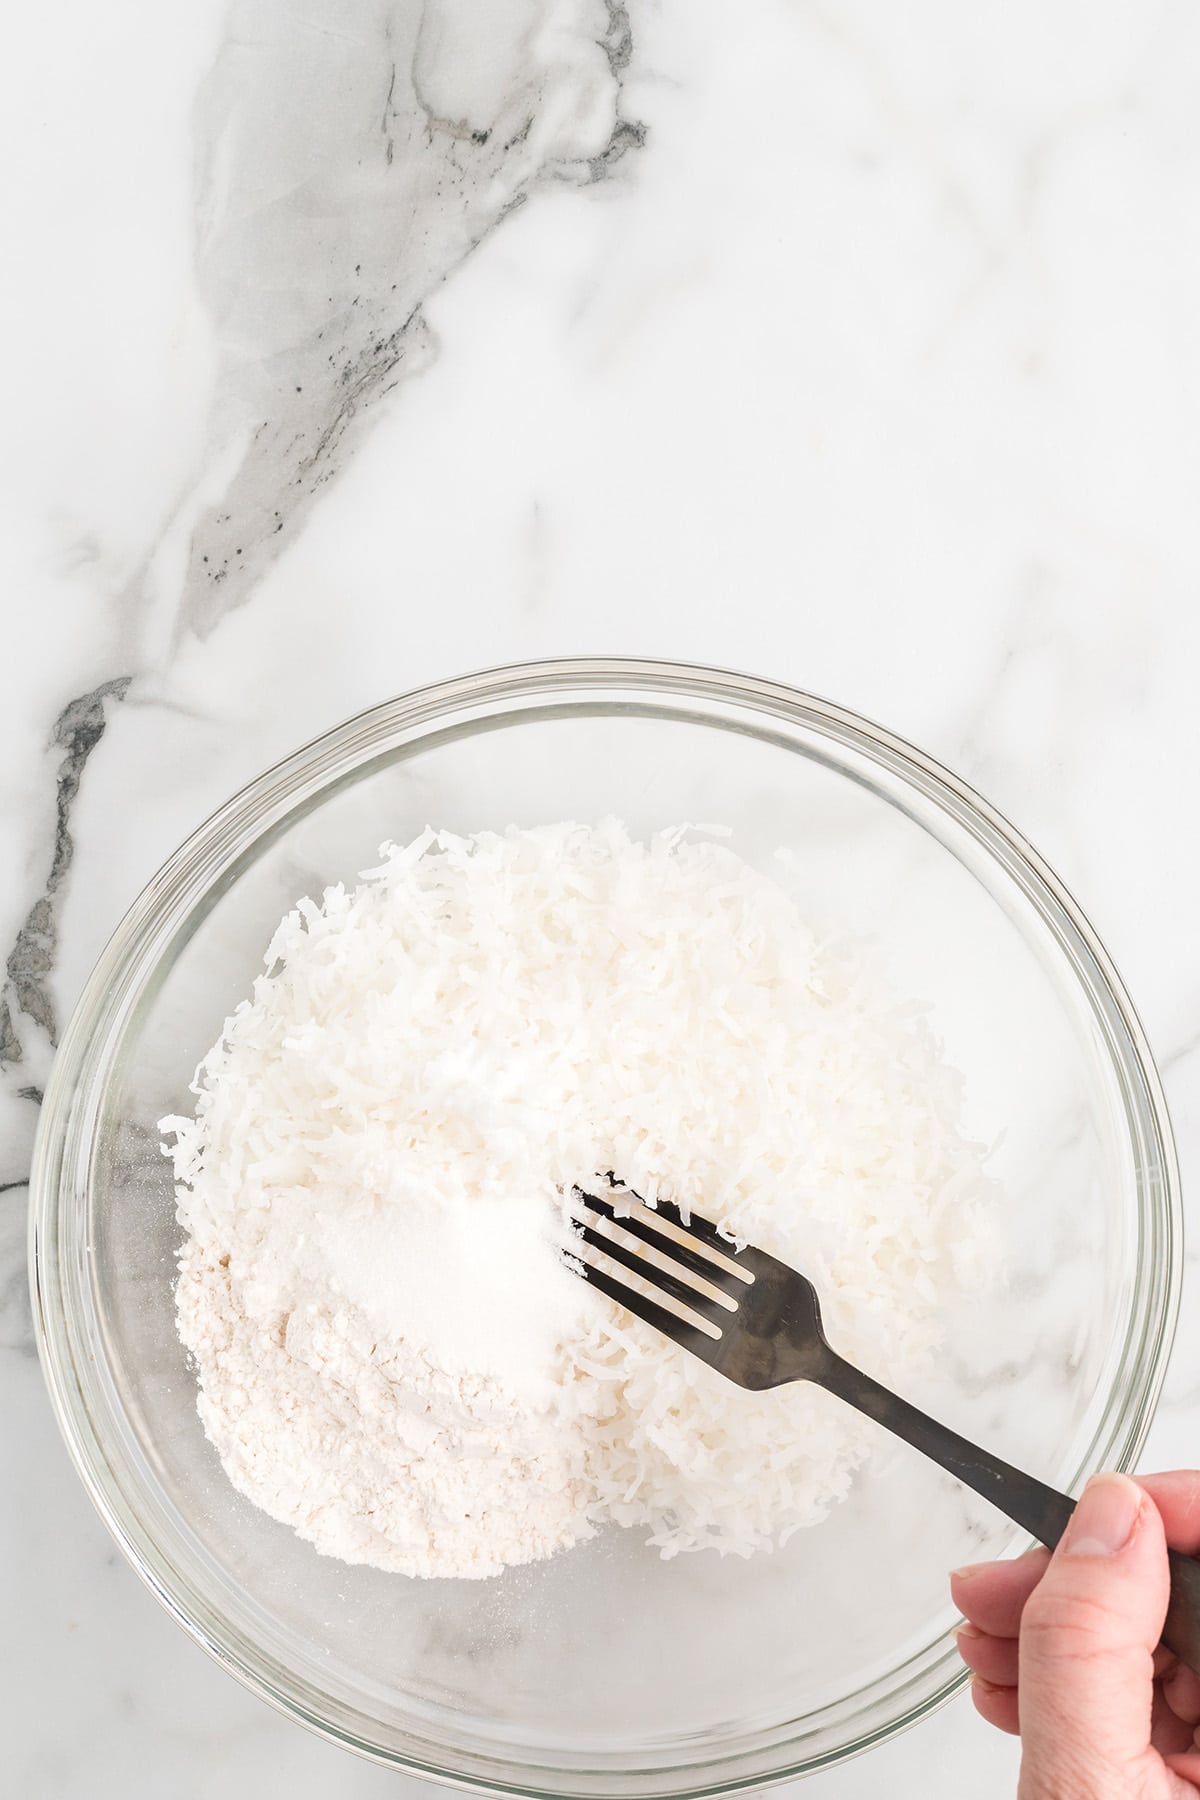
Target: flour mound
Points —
{"points": [[367, 1451], [392, 1357]]}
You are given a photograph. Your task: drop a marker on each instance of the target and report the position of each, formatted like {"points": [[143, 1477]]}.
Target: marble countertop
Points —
{"points": [[361, 342]]}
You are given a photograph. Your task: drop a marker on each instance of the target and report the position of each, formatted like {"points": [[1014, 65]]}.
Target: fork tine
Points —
{"points": [[693, 1260], [699, 1228], [703, 1230], [688, 1337], [707, 1306], [753, 1261]]}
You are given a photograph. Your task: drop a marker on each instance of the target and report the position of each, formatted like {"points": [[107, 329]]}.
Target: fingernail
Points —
{"points": [[969, 1572], [1104, 1519], [986, 1687], [967, 1631]]}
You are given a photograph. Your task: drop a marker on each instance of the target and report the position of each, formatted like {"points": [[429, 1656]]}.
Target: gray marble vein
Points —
{"points": [[25, 999], [16, 1314]]}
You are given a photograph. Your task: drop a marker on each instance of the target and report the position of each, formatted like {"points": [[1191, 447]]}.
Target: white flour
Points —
{"points": [[392, 1358], [364, 1447]]}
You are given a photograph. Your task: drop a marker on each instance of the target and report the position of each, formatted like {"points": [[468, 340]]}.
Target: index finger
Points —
{"points": [[1177, 1497], [993, 1595]]}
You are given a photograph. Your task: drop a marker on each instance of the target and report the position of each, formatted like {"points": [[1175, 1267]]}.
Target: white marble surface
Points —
{"points": [[350, 343]]}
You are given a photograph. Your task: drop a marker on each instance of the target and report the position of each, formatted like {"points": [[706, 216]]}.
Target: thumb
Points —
{"points": [[1088, 1635]]}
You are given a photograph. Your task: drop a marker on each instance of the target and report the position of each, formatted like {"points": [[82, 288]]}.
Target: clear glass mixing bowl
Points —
{"points": [[607, 1671]]}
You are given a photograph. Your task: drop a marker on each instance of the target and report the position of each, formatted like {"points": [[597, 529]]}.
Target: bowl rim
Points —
{"points": [[262, 807]]}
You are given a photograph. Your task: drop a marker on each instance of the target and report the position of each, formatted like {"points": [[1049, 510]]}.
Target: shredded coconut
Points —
{"points": [[392, 1356]]}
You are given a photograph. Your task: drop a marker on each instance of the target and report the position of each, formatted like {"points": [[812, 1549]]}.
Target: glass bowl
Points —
{"points": [[607, 1671]]}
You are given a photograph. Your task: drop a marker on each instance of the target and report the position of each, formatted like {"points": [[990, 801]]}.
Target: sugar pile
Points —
{"points": [[392, 1358]]}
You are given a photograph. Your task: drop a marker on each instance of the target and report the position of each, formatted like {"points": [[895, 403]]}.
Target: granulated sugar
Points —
{"points": [[392, 1357]]}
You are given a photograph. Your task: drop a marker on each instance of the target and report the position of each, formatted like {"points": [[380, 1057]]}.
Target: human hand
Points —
{"points": [[1064, 1648]]}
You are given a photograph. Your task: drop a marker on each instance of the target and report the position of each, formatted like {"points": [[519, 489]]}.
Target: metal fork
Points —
{"points": [[759, 1323]]}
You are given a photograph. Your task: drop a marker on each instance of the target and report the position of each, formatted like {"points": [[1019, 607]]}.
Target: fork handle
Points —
{"points": [[1040, 1510]]}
